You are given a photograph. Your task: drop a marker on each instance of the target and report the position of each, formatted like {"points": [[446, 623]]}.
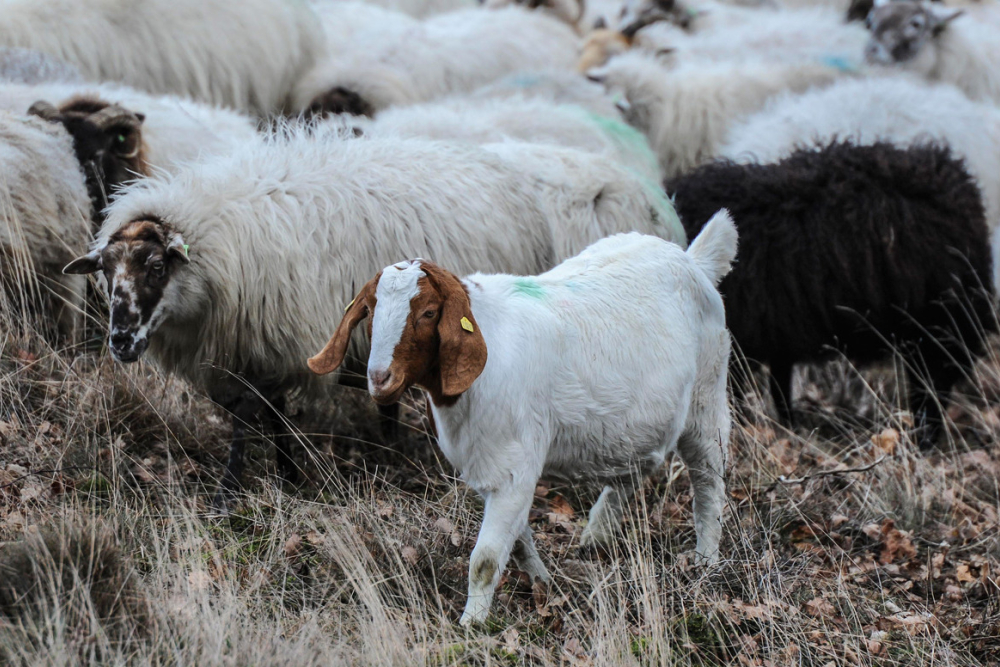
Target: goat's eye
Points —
{"points": [[430, 313]]}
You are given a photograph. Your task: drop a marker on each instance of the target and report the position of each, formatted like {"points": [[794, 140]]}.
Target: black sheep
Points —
{"points": [[857, 249]]}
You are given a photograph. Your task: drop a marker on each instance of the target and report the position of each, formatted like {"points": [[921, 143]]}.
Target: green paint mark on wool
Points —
{"points": [[626, 137], [529, 288]]}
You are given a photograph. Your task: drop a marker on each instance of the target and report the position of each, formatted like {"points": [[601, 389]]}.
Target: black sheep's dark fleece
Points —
{"points": [[853, 248]]}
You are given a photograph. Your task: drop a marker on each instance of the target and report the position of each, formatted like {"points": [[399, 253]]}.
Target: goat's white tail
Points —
{"points": [[714, 249]]}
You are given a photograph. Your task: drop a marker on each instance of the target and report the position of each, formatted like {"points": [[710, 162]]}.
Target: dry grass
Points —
{"points": [[107, 556]]}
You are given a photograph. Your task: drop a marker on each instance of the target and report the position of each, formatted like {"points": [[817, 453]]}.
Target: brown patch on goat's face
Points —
{"points": [[601, 45], [439, 347], [901, 30], [107, 140], [340, 100], [138, 262]]}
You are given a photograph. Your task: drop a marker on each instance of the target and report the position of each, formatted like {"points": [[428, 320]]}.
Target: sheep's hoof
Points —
{"points": [[220, 504]]}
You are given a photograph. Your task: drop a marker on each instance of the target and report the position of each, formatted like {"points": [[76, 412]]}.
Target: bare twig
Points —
{"points": [[824, 473]]}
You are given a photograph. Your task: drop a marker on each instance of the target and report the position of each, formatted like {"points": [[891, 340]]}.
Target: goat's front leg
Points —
{"points": [[504, 520]]}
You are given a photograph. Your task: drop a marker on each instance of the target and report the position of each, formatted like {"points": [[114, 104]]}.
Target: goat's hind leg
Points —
{"points": [[526, 556], [605, 516]]}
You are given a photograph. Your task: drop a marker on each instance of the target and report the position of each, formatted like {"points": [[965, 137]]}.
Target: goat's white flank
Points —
{"points": [[597, 370]]}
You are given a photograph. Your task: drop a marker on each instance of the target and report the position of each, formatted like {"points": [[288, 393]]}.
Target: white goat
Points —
{"points": [[315, 215], [685, 113], [44, 218], [448, 53], [901, 110], [597, 369], [928, 40], [244, 55]]}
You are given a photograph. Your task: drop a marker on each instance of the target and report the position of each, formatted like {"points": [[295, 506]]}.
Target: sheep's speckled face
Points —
{"points": [[137, 261], [902, 30], [637, 14]]}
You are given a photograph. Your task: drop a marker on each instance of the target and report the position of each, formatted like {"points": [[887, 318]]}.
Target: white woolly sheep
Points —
{"points": [[44, 219], [483, 121], [901, 110], [806, 35], [597, 369], [686, 112], [245, 55], [27, 66], [927, 40], [555, 86], [415, 8], [449, 53], [315, 216], [175, 131]]}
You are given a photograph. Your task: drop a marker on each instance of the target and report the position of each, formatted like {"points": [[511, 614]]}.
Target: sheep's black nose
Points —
{"points": [[120, 341]]}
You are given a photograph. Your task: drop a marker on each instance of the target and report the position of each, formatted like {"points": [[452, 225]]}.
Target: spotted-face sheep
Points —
{"points": [[44, 220], [449, 53], [595, 370], [244, 55], [685, 113], [316, 215], [900, 110], [174, 130], [926, 39], [857, 249], [482, 121]]}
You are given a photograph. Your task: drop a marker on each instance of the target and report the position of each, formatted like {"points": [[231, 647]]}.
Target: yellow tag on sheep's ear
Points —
{"points": [[467, 325], [346, 308]]}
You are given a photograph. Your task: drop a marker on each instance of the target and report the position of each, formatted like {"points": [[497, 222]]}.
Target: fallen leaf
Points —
{"points": [[410, 555], [963, 575], [199, 580], [820, 608], [887, 441], [293, 547], [384, 510]]}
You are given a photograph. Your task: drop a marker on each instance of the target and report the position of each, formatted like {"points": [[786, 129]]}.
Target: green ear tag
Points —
{"points": [[186, 246]]}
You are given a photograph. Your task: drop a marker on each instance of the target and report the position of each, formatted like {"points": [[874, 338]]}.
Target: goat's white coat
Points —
{"points": [[685, 113], [416, 61], [901, 110], [175, 131], [596, 370], [283, 232], [245, 55], [45, 214]]}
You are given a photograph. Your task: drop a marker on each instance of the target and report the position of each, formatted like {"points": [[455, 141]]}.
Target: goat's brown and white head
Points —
{"points": [[422, 331], [903, 31], [107, 140], [138, 262]]}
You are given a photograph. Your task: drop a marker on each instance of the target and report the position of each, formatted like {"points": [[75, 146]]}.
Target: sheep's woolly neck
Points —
{"points": [[968, 55], [283, 232]]}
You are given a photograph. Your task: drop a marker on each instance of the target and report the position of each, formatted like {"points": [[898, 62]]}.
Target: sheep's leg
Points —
{"points": [[245, 408], [283, 439], [781, 391], [606, 514], [703, 450], [504, 518], [526, 556], [929, 391]]}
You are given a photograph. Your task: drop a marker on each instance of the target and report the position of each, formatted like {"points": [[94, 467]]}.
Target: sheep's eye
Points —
{"points": [[917, 22], [158, 266]]}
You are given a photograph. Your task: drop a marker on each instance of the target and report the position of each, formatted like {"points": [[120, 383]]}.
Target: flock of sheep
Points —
{"points": [[244, 178]]}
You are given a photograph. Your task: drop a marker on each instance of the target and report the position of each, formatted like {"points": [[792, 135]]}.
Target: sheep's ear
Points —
{"points": [[941, 17], [332, 356], [177, 249], [89, 263], [462, 351]]}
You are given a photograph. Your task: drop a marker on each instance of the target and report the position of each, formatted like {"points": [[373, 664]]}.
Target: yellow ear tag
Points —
{"points": [[467, 325], [350, 304]]}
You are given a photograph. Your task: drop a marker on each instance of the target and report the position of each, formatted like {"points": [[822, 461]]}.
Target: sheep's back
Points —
{"points": [[845, 245]]}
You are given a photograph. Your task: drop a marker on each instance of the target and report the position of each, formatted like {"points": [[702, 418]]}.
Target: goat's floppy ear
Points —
{"points": [[330, 358], [462, 351]]}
